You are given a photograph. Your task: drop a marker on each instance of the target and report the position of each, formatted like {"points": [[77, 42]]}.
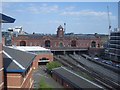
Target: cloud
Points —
{"points": [[90, 14], [69, 8], [43, 8], [85, 13], [32, 8]]}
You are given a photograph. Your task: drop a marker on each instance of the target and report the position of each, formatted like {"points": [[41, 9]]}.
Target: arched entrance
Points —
{"points": [[61, 44], [43, 61], [22, 43]]}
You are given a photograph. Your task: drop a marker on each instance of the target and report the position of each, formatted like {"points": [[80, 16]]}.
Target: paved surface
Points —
{"points": [[40, 73]]}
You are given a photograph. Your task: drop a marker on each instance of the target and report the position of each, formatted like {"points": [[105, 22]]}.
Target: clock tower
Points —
{"points": [[60, 31]]}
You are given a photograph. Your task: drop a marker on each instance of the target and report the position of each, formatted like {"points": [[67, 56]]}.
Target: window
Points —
{"points": [[93, 44], [98, 45], [73, 43], [47, 43], [44, 58]]}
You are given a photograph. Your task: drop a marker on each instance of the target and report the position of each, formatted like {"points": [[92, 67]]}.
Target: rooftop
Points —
{"points": [[6, 19], [29, 48], [116, 30], [66, 36], [74, 79], [16, 60]]}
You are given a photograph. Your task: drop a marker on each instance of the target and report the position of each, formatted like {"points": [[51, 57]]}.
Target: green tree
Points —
{"points": [[52, 65]]}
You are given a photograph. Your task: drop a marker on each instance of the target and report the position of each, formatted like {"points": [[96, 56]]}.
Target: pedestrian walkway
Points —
{"points": [[40, 73]]}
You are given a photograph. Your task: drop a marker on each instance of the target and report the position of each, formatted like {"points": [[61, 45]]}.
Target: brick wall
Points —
{"points": [[28, 80], [55, 42], [17, 80], [64, 83], [14, 80], [94, 51], [1, 68], [1, 62], [3, 40], [40, 56]]}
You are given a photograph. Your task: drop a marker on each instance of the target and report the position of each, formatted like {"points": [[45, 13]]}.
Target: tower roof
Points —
{"points": [[60, 27]]}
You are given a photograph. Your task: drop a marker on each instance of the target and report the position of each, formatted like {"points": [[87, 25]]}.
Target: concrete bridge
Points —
{"points": [[63, 51]]}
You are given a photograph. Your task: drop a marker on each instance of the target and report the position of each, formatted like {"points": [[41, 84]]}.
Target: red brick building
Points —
{"points": [[59, 40], [43, 55], [18, 68], [3, 19], [1, 68]]}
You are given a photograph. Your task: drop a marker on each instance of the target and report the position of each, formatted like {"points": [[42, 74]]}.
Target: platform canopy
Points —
{"points": [[6, 19]]}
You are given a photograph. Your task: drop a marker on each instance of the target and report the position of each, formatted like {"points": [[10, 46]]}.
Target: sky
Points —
{"points": [[45, 17]]}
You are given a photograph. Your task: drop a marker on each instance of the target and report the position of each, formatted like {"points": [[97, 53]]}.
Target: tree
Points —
{"points": [[52, 65]]}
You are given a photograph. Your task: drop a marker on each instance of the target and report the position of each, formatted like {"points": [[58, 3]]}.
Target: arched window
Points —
{"points": [[22, 43], [93, 44], [47, 43], [73, 43], [98, 45], [61, 44]]}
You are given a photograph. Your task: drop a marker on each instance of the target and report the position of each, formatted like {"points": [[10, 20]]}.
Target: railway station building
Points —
{"points": [[59, 41]]}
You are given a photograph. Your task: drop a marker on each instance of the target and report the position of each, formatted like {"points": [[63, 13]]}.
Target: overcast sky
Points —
{"points": [[45, 17]]}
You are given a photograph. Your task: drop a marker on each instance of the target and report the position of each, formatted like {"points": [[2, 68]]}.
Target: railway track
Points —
{"points": [[109, 81], [77, 66]]}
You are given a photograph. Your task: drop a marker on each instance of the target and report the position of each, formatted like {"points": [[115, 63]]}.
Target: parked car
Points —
{"points": [[108, 62], [103, 61], [113, 64], [117, 65], [96, 58]]}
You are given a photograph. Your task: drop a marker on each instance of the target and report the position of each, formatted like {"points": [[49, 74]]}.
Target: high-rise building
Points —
{"points": [[3, 19], [114, 45]]}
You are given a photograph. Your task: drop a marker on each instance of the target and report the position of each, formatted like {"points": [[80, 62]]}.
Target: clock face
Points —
{"points": [[61, 29]]}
